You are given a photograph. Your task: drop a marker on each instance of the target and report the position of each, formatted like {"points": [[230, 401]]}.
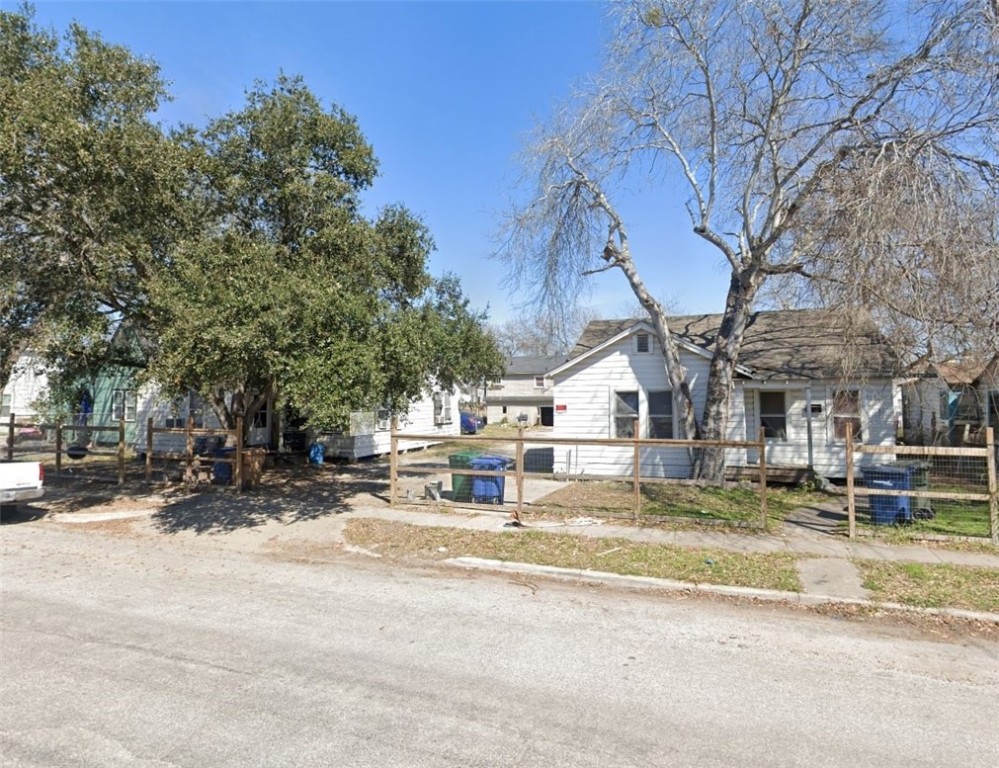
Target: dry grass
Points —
{"points": [[705, 566], [936, 585]]}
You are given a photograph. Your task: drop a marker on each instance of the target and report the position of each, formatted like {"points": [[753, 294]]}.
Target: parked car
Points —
{"points": [[20, 481], [470, 423]]}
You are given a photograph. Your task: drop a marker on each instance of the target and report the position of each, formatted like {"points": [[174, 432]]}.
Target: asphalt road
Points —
{"points": [[158, 652]]}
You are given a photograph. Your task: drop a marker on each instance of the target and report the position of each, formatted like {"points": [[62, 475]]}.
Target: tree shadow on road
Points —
{"points": [[287, 495]]}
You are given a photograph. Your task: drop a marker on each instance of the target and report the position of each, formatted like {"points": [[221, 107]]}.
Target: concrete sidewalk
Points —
{"points": [[825, 566]]}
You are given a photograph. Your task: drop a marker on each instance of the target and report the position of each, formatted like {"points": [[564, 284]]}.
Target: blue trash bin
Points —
{"points": [[317, 453], [889, 510], [222, 470], [488, 489]]}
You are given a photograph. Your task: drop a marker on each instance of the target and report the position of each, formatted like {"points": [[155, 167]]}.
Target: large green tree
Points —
{"points": [[91, 190], [288, 291]]}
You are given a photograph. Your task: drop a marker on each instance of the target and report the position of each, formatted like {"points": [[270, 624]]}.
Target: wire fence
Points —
{"points": [[929, 489], [637, 478]]}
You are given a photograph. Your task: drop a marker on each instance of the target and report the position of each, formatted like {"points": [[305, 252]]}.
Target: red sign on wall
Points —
{"points": [[560, 409]]}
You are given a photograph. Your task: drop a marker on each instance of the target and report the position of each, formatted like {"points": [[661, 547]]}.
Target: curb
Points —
{"points": [[670, 585]]}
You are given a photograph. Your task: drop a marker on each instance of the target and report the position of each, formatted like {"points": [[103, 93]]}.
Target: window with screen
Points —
{"points": [[846, 414], [625, 413], [773, 415], [661, 415]]}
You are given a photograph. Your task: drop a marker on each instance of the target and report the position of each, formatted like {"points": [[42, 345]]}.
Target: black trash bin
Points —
{"points": [[489, 489], [889, 510]]}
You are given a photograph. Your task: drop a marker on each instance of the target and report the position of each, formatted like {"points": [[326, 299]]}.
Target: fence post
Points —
{"points": [[189, 449], [394, 460], [990, 443], [851, 502], [149, 449], [237, 471], [121, 452], [761, 438], [10, 438], [637, 471], [519, 478], [58, 458]]}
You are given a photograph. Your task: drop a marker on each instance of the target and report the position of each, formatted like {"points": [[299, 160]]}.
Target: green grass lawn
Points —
{"points": [[950, 518]]}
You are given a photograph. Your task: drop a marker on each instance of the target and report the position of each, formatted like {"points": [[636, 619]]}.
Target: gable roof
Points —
{"points": [[528, 365], [785, 344]]}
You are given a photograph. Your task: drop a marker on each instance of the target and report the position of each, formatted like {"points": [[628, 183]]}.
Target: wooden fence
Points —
{"points": [[985, 454], [190, 457], [519, 470]]}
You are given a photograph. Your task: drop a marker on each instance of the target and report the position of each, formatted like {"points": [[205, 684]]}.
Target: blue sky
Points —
{"points": [[445, 92]]}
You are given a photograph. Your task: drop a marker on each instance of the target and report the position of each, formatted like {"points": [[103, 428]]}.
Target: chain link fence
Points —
{"points": [[932, 490]]}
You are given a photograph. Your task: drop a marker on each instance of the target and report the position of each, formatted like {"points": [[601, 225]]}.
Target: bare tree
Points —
{"points": [[540, 333], [764, 111]]}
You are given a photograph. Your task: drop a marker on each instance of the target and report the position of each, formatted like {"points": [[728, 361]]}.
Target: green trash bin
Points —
{"points": [[461, 484]]}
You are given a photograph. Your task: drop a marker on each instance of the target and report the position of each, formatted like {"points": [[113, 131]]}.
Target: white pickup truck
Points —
{"points": [[20, 481]]}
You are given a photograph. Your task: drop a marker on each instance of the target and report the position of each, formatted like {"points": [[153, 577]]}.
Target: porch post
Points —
{"points": [[10, 438]]}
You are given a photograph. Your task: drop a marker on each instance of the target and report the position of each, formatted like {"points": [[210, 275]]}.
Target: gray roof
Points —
{"points": [[800, 343], [533, 366]]}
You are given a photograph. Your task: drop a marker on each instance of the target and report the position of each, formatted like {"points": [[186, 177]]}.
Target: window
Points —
{"points": [[994, 410], [773, 415], [442, 407], [539, 382], [625, 412], [661, 415], [5, 407], [383, 419], [123, 405], [846, 412], [191, 405], [642, 342], [260, 417]]}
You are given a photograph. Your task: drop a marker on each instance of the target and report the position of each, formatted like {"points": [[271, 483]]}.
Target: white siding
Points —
{"points": [[877, 419], [366, 439], [510, 393], [28, 383], [150, 403], [586, 391], [583, 408]]}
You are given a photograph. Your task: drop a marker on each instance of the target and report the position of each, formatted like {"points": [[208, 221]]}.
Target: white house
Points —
{"points": [[524, 393], [370, 432], [28, 384], [799, 378], [174, 412]]}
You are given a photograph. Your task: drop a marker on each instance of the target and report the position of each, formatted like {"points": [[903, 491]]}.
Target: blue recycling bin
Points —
{"points": [[488, 489], [222, 470], [890, 510]]}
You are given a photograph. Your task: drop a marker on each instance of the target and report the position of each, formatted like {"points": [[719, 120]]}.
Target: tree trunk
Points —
{"points": [[709, 462]]}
